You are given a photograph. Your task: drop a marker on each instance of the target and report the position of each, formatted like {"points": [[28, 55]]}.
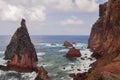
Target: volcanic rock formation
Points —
{"points": [[104, 41], [21, 51], [21, 54], [67, 44], [73, 52], [42, 74]]}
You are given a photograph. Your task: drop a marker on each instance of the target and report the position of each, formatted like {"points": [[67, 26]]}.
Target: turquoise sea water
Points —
{"points": [[51, 55]]}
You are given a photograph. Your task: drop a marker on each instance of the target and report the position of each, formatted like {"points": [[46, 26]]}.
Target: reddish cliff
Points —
{"points": [[104, 42]]}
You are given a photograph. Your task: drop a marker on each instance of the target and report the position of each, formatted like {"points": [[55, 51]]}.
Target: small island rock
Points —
{"points": [[67, 44], [73, 52]]}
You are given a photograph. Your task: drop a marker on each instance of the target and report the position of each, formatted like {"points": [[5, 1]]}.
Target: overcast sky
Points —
{"points": [[49, 17]]}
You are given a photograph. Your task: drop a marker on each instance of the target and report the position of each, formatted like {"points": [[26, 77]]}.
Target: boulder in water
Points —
{"points": [[67, 44], [42, 74], [73, 52]]}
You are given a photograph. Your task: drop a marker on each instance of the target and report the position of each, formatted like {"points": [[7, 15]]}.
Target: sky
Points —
{"points": [[49, 17]]}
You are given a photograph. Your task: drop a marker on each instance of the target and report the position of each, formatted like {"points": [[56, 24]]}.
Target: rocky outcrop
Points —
{"points": [[67, 44], [104, 42], [109, 76], [20, 43], [42, 74], [21, 52], [73, 52]]}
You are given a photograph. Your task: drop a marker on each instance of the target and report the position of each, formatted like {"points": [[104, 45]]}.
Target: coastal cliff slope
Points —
{"points": [[104, 41]]}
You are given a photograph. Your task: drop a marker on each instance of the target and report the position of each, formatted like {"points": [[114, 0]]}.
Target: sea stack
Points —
{"points": [[21, 52], [73, 52], [104, 41]]}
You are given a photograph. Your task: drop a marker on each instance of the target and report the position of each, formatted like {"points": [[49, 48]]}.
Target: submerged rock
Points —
{"points": [[73, 52], [67, 44]]}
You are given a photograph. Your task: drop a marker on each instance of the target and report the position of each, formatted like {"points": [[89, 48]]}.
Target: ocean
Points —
{"points": [[50, 52]]}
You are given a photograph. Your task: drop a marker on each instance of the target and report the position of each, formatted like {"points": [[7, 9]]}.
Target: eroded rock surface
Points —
{"points": [[20, 43], [104, 41], [42, 74], [73, 52]]}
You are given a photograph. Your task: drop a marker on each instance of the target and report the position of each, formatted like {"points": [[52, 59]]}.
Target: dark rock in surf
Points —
{"points": [[67, 44]]}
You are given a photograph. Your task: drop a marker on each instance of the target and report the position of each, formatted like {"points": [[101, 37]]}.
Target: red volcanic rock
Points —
{"points": [[42, 74], [20, 43], [104, 41], [26, 60], [96, 55], [73, 52], [67, 44], [22, 55], [109, 76], [21, 52]]}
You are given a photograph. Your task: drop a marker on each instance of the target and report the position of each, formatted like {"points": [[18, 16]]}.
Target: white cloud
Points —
{"points": [[70, 5], [87, 5], [72, 21], [11, 12], [56, 4], [31, 9], [37, 14], [17, 2]]}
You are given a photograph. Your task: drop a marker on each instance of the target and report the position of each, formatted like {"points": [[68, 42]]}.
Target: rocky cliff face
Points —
{"points": [[105, 32], [104, 42], [21, 51]]}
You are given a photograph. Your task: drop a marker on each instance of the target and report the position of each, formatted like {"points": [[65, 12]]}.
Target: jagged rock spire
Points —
{"points": [[20, 43], [23, 24]]}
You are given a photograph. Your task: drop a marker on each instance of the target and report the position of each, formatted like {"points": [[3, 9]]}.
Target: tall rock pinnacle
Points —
{"points": [[20, 49]]}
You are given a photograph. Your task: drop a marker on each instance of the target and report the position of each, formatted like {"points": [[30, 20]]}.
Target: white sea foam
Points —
{"points": [[29, 76], [41, 53], [2, 52], [80, 45], [81, 65], [54, 45], [3, 62], [45, 64], [86, 53], [66, 78], [63, 50], [50, 44], [13, 75]]}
